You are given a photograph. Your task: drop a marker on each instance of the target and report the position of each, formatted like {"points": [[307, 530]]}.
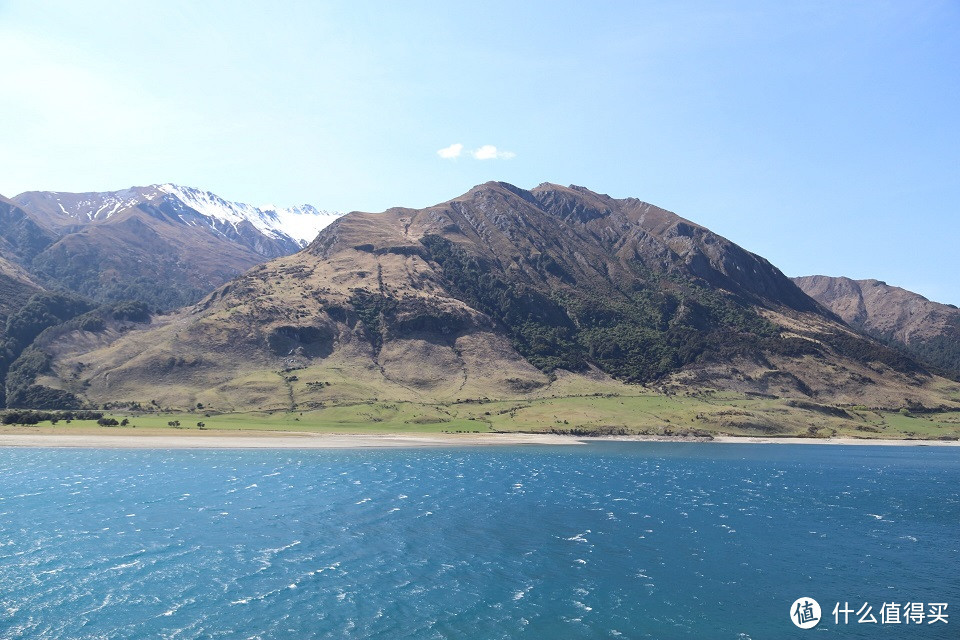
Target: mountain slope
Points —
{"points": [[164, 244], [16, 287], [500, 293], [22, 237], [928, 330]]}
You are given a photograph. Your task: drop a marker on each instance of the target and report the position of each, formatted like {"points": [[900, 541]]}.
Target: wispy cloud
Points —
{"points": [[490, 152], [451, 152]]}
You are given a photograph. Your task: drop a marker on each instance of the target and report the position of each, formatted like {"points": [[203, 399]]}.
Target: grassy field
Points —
{"points": [[702, 414]]}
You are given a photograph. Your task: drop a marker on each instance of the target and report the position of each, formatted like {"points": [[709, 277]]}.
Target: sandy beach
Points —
{"points": [[293, 440]]}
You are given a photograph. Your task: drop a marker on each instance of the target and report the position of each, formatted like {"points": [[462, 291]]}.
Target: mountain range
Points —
{"points": [[499, 293], [164, 245], [928, 330]]}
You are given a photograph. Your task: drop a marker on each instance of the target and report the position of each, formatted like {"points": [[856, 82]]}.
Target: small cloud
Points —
{"points": [[453, 151], [489, 152]]}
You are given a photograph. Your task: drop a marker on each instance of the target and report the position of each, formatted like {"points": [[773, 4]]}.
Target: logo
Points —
{"points": [[805, 613]]}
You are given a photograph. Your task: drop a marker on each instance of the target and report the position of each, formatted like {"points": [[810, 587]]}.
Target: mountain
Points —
{"points": [[290, 229], [165, 245], [499, 293], [928, 330]]}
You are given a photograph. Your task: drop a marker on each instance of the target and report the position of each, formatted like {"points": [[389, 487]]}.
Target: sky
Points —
{"points": [[824, 136]]}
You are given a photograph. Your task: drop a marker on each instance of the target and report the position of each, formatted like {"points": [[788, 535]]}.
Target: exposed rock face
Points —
{"points": [[499, 293], [928, 330]]}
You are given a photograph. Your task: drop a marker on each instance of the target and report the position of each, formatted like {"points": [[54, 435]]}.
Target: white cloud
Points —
{"points": [[489, 152], [453, 151]]}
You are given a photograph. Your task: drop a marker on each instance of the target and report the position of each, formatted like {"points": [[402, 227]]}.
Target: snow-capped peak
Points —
{"points": [[301, 223]]}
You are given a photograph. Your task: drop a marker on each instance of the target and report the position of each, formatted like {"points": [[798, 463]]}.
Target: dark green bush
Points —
{"points": [[639, 332]]}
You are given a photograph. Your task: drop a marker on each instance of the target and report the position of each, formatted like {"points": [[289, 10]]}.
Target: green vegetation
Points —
{"points": [[21, 392], [655, 327], [129, 309], [30, 364], [942, 351], [38, 323], [80, 268], [702, 415], [53, 417], [24, 237], [868, 351], [371, 309], [42, 311], [541, 329]]}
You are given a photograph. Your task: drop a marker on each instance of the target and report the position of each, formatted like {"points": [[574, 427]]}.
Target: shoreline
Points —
{"points": [[301, 440], [784, 440], [276, 440]]}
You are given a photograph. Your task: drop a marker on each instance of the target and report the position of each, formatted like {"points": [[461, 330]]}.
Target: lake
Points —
{"points": [[606, 540]]}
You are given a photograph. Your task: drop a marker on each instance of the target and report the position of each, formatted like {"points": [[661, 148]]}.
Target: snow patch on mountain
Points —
{"points": [[292, 227], [301, 223], [85, 206]]}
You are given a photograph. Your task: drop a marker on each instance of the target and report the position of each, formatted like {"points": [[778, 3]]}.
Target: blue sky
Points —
{"points": [[824, 136]]}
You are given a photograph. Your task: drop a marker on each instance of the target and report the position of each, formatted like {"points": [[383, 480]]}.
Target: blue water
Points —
{"points": [[613, 540]]}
